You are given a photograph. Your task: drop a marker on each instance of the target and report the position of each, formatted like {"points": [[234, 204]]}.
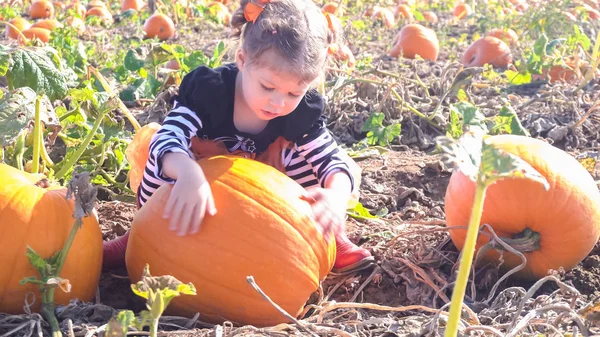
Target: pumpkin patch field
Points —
{"points": [[475, 125]]}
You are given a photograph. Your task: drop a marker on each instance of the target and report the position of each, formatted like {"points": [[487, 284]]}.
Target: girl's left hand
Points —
{"points": [[329, 209]]}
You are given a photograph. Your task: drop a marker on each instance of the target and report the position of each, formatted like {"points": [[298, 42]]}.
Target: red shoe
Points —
{"points": [[350, 257], [113, 255]]}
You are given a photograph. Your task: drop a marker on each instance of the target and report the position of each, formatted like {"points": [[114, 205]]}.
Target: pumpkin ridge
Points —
{"points": [[306, 239], [305, 236]]}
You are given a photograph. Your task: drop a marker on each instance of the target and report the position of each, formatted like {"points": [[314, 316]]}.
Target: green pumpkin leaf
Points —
{"points": [[4, 62], [167, 287], [17, 112], [35, 69], [133, 61]]}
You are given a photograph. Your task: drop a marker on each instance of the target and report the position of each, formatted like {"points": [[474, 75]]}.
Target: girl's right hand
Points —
{"points": [[191, 199]]}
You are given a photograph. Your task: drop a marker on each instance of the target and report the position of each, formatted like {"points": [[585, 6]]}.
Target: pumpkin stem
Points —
{"points": [[524, 242], [43, 183]]}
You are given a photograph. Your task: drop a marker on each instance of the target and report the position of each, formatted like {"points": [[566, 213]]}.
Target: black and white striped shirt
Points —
{"points": [[204, 108]]}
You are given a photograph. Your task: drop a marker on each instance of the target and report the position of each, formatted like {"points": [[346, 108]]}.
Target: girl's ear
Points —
{"points": [[240, 58]]}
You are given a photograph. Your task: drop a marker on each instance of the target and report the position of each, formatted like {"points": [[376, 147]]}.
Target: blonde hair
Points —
{"points": [[296, 30]]}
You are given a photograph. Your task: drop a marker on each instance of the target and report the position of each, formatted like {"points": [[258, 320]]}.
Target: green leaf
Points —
{"points": [[455, 127], [377, 134], [360, 212], [539, 46], [36, 70], [516, 77], [17, 112], [38, 262], [4, 62], [168, 286], [497, 164], [124, 319], [133, 61], [463, 154], [472, 118], [515, 126]]}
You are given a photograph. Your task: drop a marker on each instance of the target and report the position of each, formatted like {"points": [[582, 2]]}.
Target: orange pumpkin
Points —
{"points": [[220, 11], [77, 8], [19, 23], [487, 50], [430, 16], [159, 25], [385, 15], [42, 34], [262, 229], [566, 217], [334, 23], [332, 7], [403, 11], [131, 4], [342, 52], [41, 9], [462, 10], [570, 73], [77, 23], [415, 39], [137, 153], [41, 217], [507, 35], [102, 13], [49, 24]]}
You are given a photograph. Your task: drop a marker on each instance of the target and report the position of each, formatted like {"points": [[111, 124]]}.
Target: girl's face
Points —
{"points": [[270, 93]]}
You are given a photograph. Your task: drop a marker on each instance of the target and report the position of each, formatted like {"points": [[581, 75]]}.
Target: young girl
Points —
{"points": [[262, 106]]}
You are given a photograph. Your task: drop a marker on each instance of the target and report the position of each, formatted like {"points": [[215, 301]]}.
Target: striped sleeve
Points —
{"points": [[322, 155], [175, 135]]}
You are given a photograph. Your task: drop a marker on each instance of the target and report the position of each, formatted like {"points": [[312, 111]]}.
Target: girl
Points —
{"points": [[262, 106]]}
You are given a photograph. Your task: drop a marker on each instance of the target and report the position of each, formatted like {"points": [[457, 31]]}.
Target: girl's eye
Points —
{"points": [[294, 95], [265, 88]]}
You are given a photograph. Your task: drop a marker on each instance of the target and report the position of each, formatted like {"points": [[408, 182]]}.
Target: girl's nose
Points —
{"points": [[277, 101]]}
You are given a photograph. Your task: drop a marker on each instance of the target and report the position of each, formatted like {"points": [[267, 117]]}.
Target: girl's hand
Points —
{"points": [[191, 198], [329, 209]]}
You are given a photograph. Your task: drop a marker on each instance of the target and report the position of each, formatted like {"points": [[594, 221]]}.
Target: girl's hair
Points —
{"points": [[295, 30]]}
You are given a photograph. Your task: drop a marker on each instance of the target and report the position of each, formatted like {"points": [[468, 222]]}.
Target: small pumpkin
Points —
{"points": [[35, 214], [403, 11], [332, 7], [49, 24], [487, 50], [41, 9], [20, 23], [77, 23], [77, 8], [266, 232], [342, 52], [102, 13], [220, 11], [430, 17], [462, 10], [385, 15], [562, 224], [96, 3], [570, 72], [138, 151], [415, 39], [507, 35], [159, 25], [31, 33], [131, 4]]}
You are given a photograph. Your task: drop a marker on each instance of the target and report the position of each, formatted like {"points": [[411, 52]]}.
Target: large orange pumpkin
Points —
{"points": [[487, 50], [159, 25], [415, 39], [19, 23], [566, 217], [262, 229], [507, 35], [39, 217], [42, 34], [41, 9]]}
